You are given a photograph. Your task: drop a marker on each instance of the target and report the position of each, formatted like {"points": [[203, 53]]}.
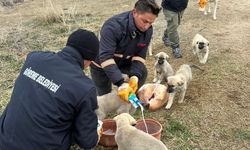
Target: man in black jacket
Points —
{"points": [[173, 11], [123, 47], [53, 101]]}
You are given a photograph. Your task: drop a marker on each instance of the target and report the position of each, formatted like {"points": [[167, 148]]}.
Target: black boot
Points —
{"points": [[176, 51]]}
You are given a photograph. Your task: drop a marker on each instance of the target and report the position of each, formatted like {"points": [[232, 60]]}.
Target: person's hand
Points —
{"points": [[123, 91], [133, 83]]}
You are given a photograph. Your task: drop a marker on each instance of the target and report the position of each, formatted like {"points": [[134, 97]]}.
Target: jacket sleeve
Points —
{"points": [[110, 35], [138, 60], [85, 131]]}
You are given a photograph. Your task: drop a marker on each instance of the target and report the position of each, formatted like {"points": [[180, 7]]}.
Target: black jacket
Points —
{"points": [[174, 5], [122, 41], [52, 103]]}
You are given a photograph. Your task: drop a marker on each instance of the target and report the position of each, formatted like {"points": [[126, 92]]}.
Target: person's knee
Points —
{"points": [[173, 27], [103, 86], [102, 91], [101, 81], [143, 77]]}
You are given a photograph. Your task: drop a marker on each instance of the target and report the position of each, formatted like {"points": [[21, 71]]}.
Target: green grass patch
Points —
{"points": [[4, 100], [240, 134], [179, 133], [13, 63], [178, 129]]}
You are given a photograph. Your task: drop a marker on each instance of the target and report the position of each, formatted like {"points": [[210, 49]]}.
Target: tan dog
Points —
{"points": [[205, 5], [111, 102], [128, 137], [200, 47], [153, 95], [162, 69], [179, 83]]}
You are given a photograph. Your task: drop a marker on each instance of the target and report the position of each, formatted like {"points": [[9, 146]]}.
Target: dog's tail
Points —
{"points": [[197, 67]]}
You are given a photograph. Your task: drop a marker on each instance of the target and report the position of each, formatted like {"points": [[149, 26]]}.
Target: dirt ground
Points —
{"points": [[215, 114]]}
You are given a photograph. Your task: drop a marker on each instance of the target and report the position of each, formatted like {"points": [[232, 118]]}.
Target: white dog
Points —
{"points": [[128, 137], [206, 7], [200, 47], [162, 69], [179, 83], [112, 103]]}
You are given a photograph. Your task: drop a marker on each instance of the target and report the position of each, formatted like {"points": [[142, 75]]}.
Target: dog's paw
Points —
{"points": [[154, 80], [168, 107], [209, 10], [180, 101], [158, 82], [214, 17], [203, 62]]}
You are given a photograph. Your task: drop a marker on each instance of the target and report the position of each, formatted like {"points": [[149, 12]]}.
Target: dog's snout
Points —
{"points": [[170, 89], [160, 60], [146, 106], [134, 124], [201, 45]]}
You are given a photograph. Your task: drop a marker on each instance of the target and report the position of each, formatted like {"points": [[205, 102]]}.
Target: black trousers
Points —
{"points": [[103, 83]]}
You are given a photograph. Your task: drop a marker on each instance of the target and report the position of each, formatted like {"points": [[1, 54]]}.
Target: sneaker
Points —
{"points": [[166, 41], [177, 52]]}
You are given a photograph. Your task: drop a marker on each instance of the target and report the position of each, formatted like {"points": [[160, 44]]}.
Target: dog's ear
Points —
{"points": [[180, 83], [132, 120], [156, 57], [167, 57]]}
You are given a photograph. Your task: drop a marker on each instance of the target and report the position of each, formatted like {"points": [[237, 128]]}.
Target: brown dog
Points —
{"points": [[153, 95]]}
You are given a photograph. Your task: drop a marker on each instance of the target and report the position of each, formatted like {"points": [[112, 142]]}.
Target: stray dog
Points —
{"points": [[153, 96], [128, 137], [179, 82], [204, 5], [162, 69], [200, 47], [111, 102]]}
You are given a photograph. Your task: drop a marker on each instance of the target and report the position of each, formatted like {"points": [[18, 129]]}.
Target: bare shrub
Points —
{"points": [[10, 2], [53, 13]]}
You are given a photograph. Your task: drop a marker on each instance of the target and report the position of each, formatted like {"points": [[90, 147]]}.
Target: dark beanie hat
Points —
{"points": [[85, 42]]}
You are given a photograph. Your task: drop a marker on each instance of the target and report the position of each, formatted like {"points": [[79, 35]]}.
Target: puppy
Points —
{"points": [[153, 95], [179, 83], [162, 69], [128, 137], [205, 5], [111, 102], [200, 47]]}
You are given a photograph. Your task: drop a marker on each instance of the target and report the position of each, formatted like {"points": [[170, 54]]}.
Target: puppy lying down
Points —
{"points": [[153, 95], [112, 103], [128, 137]]}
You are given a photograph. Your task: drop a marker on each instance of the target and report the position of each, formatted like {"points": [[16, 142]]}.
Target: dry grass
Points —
{"points": [[215, 114]]}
